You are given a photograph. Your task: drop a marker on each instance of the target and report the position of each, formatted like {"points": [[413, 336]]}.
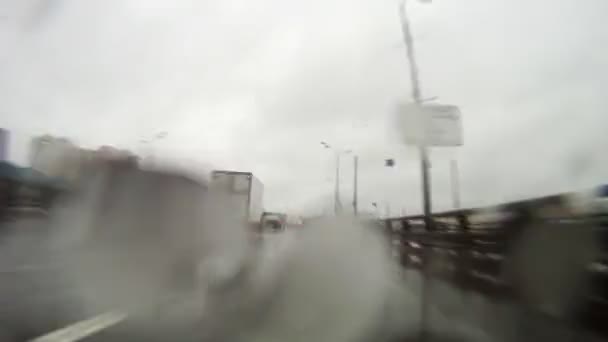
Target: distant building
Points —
{"points": [[58, 157], [53, 156]]}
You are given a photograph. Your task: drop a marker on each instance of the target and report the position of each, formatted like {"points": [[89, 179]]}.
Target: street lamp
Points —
{"points": [[424, 162], [418, 99], [337, 202]]}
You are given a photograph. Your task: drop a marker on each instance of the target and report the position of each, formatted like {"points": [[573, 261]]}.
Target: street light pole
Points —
{"points": [[417, 97], [424, 162], [355, 185], [337, 201], [337, 204]]}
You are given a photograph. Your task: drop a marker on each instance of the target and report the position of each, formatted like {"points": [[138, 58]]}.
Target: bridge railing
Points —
{"points": [[472, 248]]}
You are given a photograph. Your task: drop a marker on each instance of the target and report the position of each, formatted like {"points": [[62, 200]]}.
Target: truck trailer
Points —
{"points": [[245, 193]]}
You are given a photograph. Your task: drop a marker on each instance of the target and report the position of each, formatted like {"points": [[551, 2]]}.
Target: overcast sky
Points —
{"points": [[256, 85]]}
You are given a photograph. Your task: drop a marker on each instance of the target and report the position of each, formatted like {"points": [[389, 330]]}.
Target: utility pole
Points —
{"points": [[355, 186], [337, 201], [417, 97], [424, 167], [337, 204]]}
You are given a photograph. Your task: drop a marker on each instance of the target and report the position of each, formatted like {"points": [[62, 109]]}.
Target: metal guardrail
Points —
{"points": [[470, 247]]}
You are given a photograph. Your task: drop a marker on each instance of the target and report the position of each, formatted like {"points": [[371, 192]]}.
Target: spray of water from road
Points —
{"points": [[333, 281]]}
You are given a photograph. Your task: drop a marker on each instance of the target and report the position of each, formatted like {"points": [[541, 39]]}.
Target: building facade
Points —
{"points": [[59, 157]]}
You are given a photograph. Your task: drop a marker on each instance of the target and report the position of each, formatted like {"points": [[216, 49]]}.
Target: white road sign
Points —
{"points": [[430, 124]]}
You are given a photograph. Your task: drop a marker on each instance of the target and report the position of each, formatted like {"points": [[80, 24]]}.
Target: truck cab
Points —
{"points": [[271, 222]]}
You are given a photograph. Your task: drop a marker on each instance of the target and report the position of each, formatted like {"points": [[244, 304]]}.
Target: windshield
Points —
{"points": [[467, 137]]}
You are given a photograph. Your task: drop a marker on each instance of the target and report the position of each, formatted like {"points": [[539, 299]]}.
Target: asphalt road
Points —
{"points": [[456, 317], [34, 296], [36, 299]]}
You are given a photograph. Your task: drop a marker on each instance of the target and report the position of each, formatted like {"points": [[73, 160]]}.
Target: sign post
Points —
{"points": [[426, 138]]}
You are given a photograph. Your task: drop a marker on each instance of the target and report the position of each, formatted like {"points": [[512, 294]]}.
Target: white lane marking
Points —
{"points": [[27, 268], [82, 329]]}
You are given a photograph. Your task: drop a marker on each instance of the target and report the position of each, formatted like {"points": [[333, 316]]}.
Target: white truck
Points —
{"points": [[245, 193]]}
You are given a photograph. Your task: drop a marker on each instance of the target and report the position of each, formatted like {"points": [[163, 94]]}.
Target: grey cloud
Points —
{"points": [[257, 85]]}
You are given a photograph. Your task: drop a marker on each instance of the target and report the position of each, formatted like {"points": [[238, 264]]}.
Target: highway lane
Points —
{"points": [[455, 316], [83, 329], [169, 321], [35, 296], [176, 323], [35, 299]]}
